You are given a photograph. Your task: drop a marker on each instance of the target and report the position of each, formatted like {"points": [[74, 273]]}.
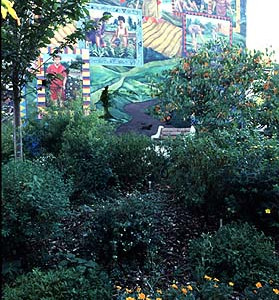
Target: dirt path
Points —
{"points": [[141, 122]]}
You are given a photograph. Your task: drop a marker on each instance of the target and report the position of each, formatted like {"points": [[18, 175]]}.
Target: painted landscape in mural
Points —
{"points": [[144, 37], [170, 29]]}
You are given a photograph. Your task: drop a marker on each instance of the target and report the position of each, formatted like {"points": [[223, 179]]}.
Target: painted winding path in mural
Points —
{"points": [[141, 122]]}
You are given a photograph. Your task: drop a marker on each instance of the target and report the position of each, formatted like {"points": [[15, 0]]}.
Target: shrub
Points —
{"points": [[133, 160], [70, 283], [45, 135], [220, 86], [85, 155], [234, 171], [35, 198], [7, 145], [237, 253], [123, 230]]}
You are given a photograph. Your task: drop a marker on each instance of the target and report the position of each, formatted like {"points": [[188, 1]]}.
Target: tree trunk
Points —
{"points": [[17, 123]]}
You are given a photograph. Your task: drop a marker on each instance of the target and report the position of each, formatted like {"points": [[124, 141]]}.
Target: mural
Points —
{"points": [[142, 39], [117, 41], [200, 28], [69, 79]]}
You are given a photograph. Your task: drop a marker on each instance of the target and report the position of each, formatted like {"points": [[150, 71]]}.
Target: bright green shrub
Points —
{"points": [[237, 253], [123, 230], [134, 160], [35, 198], [85, 155], [61, 284]]}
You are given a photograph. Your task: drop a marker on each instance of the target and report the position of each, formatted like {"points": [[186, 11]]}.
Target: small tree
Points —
{"points": [[220, 87], [21, 44]]}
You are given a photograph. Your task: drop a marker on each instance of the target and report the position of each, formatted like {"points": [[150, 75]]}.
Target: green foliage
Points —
{"points": [[134, 160], [35, 198], [233, 171], [63, 284], [237, 253], [85, 154], [123, 229], [45, 135], [7, 147], [220, 87]]}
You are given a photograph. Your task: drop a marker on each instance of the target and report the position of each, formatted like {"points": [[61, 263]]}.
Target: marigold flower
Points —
{"points": [[184, 291], [207, 277], [267, 211], [118, 287], [141, 296], [216, 279], [231, 283], [130, 298], [138, 289], [159, 291], [276, 291], [174, 286], [158, 298], [189, 287], [258, 285], [128, 291]]}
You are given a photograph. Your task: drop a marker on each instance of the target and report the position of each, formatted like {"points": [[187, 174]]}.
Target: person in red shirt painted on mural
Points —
{"points": [[58, 80]]}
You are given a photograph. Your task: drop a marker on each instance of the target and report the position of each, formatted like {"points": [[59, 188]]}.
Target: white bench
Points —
{"points": [[170, 132]]}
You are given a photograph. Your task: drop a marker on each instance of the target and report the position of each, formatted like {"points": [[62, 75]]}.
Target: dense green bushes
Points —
{"points": [[236, 171], [134, 160], [123, 230], [61, 284], [35, 198], [235, 253]]}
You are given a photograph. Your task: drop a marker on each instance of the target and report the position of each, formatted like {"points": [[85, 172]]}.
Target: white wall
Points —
{"points": [[263, 25]]}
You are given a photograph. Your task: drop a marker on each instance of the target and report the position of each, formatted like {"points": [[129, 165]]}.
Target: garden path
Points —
{"points": [[140, 122]]}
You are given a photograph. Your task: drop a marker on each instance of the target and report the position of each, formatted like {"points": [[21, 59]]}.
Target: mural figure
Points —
{"points": [[196, 31], [96, 36], [222, 7], [196, 5], [151, 8], [121, 33], [58, 79], [181, 5]]}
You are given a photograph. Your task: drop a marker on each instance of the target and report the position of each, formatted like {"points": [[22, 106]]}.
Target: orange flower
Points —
{"points": [[138, 289], [231, 283], [258, 285], [186, 66], [184, 291], [216, 279], [266, 86], [207, 277], [118, 287], [267, 211], [159, 292], [174, 286], [141, 296], [276, 291], [189, 287], [128, 291]]}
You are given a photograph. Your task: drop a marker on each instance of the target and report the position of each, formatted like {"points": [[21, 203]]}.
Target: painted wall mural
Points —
{"points": [[145, 37]]}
